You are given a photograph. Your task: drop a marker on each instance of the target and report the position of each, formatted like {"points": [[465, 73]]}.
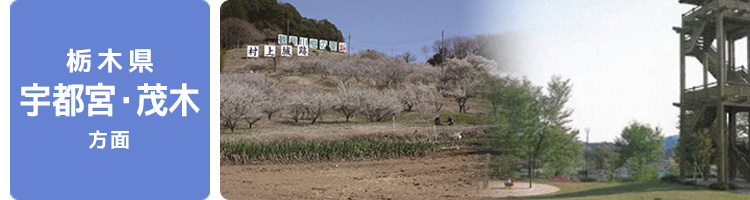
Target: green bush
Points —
{"points": [[671, 178], [722, 186], [221, 59], [589, 179], [646, 173]]}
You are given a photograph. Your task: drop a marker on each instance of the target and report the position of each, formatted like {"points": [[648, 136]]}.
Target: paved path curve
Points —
{"points": [[496, 189]]}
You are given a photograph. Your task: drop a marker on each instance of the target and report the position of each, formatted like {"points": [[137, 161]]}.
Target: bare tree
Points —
{"points": [[435, 100], [254, 99], [312, 104], [408, 57], [456, 47], [460, 81], [392, 72], [273, 103], [423, 74], [377, 105], [414, 95], [349, 100], [240, 102], [232, 109], [426, 52], [484, 65], [272, 98], [236, 32]]}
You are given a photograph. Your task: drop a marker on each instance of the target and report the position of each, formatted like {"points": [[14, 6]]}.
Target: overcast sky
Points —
{"points": [[621, 55]]}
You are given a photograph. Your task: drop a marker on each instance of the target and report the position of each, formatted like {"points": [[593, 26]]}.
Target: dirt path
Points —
{"points": [[433, 177]]}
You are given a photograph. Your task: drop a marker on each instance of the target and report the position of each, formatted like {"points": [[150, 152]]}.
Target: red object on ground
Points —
{"points": [[560, 179]]}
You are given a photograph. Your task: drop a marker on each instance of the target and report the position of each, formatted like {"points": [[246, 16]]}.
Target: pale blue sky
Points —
{"points": [[405, 25]]}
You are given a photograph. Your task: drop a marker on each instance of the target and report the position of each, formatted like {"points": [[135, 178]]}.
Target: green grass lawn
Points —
{"points": [[635, 190]]}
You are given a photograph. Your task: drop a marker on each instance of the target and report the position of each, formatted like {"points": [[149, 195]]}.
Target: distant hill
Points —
{"points": [[670, 142], [273, 15]]}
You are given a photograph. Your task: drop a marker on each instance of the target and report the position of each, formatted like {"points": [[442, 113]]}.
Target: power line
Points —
{"points": [[420, 39]]}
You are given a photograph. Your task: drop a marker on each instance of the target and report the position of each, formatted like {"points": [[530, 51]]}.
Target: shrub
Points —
{"points": [[646, 173], [670, 178], [589, 179], [723, 186]]}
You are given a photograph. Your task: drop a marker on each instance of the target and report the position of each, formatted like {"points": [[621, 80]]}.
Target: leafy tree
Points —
{"points": [[646, 173], [534, 124], [559, 91], [702, 147], [602, 157], [519, 126], [437, 59], [563, 152], [273, 17], [639, 145]]}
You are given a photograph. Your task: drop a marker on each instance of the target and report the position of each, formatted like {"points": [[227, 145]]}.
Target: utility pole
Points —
{"points": [[349, 51], [531, 167], [586, 155], [287, 27], [442, 54], [442, 44]]}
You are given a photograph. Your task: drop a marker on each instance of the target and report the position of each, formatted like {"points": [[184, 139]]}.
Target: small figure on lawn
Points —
{"points": [[437, 121], [509, 183], [450, 120]]}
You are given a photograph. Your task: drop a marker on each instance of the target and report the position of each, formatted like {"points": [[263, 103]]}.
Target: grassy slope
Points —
{"points": [[634, 190]]}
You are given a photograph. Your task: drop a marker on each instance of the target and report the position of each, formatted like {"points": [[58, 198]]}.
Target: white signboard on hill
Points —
{"points": [[286, 50], [282, 39], [302, 50], [323, 44], [313, 43], [269, 51], [342, 47], [288, 42], [253, 51], [333, 46]]}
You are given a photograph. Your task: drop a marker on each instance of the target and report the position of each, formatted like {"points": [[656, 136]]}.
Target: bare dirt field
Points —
{"points": [[450, 174]]}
